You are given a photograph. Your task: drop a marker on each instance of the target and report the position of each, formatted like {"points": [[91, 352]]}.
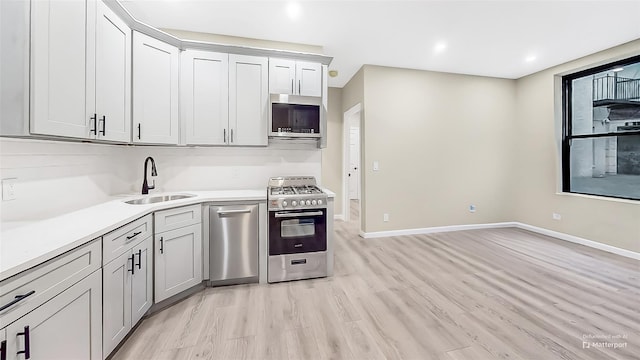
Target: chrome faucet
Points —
{"points": [[145, 186]]}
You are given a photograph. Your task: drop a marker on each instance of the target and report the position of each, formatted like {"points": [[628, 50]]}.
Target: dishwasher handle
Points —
{"points": [[231, 212]]}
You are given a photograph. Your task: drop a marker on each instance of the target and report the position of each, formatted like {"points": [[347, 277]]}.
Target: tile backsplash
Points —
{"points": [[55, 177]]}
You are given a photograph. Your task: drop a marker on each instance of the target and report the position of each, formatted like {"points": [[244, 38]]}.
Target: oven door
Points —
{"points": [[297, 231]]}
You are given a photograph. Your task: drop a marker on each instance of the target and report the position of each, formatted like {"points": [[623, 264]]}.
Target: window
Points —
{"points": [[601, 130]]}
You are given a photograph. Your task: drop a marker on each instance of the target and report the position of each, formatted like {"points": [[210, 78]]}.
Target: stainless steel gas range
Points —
{"points": [[298, 245]]}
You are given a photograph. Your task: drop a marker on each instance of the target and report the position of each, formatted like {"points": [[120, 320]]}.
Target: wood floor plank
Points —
{"points": [[479, 294]]}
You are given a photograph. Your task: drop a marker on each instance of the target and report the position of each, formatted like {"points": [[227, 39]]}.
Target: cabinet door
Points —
{"points": [[282, 76], [142, 280], [205, 97], [117, 301], [69, 326], [113, 76], [309, 77], [155, 91], [248, 100], [178, 261], [62, 67]]}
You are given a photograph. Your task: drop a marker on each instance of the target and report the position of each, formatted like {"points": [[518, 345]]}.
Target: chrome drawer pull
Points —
{"points": [[286, 215]]}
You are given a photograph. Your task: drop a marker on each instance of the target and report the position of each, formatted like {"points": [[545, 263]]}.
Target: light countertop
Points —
{"points": [[27, 244]]}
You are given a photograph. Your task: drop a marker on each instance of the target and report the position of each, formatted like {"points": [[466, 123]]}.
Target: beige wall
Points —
{"points": [[442, 141], [537, 169], [332, 154], [242, 41]]}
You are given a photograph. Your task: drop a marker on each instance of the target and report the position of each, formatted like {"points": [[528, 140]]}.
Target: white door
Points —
{"points": [[205, 96], [113, 76], [69, 326], [155, 91], [117, 301], [354, 163], [178, 261], [248, 100], [62, 67], [282, 75], [142, 280], [309, 78]]}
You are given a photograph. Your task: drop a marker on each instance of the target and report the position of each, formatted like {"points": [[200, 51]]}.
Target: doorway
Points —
{"points": [[352, 179]]}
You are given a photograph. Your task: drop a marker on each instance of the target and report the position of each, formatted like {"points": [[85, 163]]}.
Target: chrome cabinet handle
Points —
{"points": [[286, 215], [138, 131], [299, 87], [133, 264], [224, 134], [231, 135], [139, 258], [17, 299], [292, 86], [161, 246]]}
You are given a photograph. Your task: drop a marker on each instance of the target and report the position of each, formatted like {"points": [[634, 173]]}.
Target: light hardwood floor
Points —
{"points": [[481, 294]]}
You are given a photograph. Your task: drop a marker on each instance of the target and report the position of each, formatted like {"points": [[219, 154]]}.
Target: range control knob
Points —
{"points": [[284, 203], [319, 202], [308, 202], [313, 202], [294, 203]]}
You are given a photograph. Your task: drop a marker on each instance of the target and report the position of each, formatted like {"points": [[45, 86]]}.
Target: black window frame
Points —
{"points": [[567, 135]]}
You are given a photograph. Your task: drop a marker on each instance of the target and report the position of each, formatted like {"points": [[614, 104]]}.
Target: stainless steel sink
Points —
{"points": [[157, 199]]}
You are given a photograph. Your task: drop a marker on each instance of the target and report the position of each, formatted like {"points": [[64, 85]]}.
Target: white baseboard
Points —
{"points": [[579, 240], [338, 217], [436, 229], [539, 230]]}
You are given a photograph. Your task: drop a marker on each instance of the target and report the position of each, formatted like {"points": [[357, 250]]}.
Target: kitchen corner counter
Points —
{"points": [[25, 246]]}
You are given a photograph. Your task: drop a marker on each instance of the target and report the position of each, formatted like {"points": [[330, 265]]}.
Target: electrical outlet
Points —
{"points": [[556, 216], [472, 208], [9, 189], [385, 217]]}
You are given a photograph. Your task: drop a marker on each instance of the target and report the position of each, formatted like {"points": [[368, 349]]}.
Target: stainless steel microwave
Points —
{"points": [[295, 120]]}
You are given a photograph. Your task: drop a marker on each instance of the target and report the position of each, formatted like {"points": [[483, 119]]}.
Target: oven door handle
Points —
{"points": [[292, 215]]}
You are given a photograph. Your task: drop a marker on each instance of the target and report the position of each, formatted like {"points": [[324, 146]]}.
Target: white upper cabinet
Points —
{"points": [[295, 77], [155, 91], [113, 76], [248, 100], [62, 67], [309, 76], [80, 71], [282, 76], [204, 84]]}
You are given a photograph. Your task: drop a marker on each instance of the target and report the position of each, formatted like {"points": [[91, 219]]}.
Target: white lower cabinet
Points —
{"points": [[178, 250], [127, 282], [69, 326], [178, 261]]}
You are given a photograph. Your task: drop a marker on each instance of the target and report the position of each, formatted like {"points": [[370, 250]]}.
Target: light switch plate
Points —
{"points": [[9, 189], [376, 166]]}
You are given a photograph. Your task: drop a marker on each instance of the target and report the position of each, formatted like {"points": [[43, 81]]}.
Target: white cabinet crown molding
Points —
{"points": [[139, 26]]}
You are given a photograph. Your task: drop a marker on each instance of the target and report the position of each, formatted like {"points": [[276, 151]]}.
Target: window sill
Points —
{"points": [[600, 197]]}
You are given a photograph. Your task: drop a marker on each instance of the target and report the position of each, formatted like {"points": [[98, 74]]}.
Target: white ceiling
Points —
{"points": [[491, 38]]}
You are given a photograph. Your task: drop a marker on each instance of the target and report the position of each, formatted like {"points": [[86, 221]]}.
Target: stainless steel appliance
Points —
{"points": [[233, 243], [300, 120], [297, 232]]}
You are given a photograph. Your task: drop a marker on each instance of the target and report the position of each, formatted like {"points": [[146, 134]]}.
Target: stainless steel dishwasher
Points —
{"points": [[233, 243]]}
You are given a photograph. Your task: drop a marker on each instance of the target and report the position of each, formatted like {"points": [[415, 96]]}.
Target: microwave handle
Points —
{"points": [[291, 215]]}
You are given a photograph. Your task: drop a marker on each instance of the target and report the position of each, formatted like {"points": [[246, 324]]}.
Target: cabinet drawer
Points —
{"points": [[122, 239], [176, 218], [47, 280]]}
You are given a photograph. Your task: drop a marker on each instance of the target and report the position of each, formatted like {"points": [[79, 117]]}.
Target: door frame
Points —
{"points": [[346, 159]]}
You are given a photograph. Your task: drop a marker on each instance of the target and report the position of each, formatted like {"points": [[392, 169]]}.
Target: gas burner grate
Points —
{"points": [[282, 190]]}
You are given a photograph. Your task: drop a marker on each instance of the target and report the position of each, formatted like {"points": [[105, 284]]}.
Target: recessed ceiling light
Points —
{"points": [[618, 69], [440, 47], [293, 10], [530, 58]]}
